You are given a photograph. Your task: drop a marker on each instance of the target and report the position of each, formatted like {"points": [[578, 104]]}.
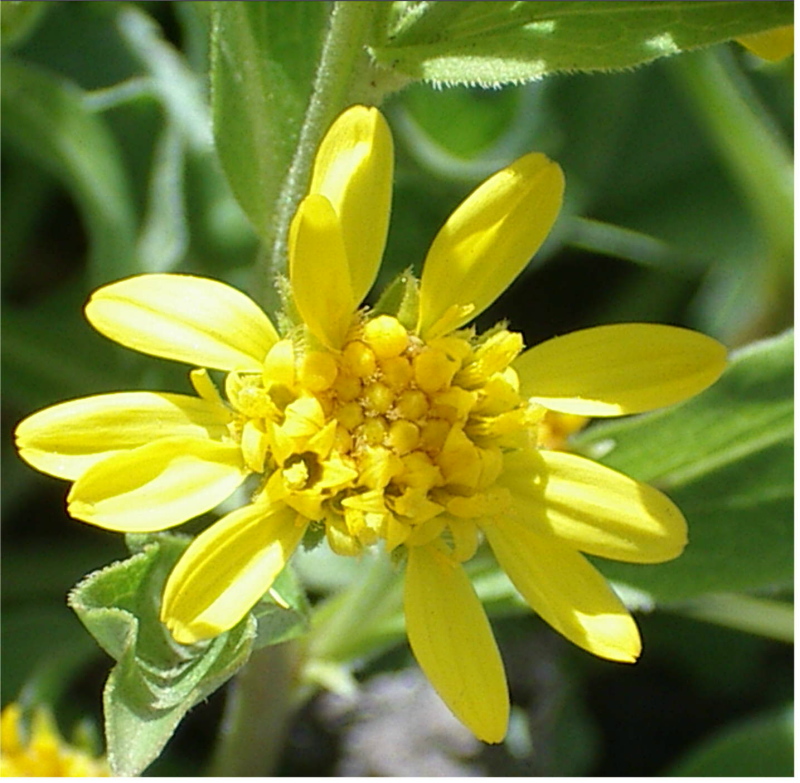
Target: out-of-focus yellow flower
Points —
{"points": [[40, 751], [402, 426], [772, 45]]}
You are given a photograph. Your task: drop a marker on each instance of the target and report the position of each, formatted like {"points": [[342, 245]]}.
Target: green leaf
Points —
{"points": [[263, 62], [758, 747], [45, 117], [155, 681], [726, 458], [283, 613], [19, 19], [494, 43]]}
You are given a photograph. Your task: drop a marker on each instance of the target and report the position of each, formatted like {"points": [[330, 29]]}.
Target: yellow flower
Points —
{"points": [[41, 752], [401, 427]]}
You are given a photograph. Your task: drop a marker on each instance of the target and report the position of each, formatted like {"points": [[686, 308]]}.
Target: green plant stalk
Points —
{"points": [[346, 75], [257, 714], [754, 152], [348, 624]]}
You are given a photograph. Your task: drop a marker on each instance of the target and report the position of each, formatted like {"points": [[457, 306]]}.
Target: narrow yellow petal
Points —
{"points": [[227, 569], [619, 369], [157, 486], [453, 642], [196, 320], [65, 440], [772, 45], [488, 241], [319, 271], [593, 508], [353, 169], [565, 591]]}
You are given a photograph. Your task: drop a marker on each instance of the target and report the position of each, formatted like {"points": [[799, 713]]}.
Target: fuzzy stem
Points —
{"points": [[257, 713], [346, 76]]}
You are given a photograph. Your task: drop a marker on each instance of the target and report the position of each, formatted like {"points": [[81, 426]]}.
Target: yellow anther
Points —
{"points": [[403, 436], [378, 398], [386, 336], [358, 359], [295, 476], [433, 370], [396, 371], [374, 430], [412, 404], [350, 415], [318, 371]]}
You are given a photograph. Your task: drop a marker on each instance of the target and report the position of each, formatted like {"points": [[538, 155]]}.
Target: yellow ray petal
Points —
{"points": [[227, 569], [453, 642], [157, 486], [595, 509], [619, 369], [565, 591], [196, 320], [319, 271], [65, 440], [487, 242], [353, 169]]}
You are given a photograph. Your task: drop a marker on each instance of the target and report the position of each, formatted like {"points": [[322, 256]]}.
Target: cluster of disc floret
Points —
{"points": [[391, 437]]}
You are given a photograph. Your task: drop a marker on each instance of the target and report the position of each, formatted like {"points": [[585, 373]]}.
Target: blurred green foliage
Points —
{"points": [[110, 169]]}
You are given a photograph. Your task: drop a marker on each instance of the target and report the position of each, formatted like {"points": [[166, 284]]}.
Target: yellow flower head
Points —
{"points": [[40, 752], [400, 426]]}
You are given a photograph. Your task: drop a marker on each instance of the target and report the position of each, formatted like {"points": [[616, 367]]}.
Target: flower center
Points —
{"points": [[390, 438]]}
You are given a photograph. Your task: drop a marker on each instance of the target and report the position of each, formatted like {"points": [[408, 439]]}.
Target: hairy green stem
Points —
{"points": [[257, 714], [349, 624], [345, 76]]}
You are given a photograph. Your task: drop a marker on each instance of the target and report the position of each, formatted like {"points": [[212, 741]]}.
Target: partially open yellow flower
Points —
{"points": [[39, 751], [399, 427]]}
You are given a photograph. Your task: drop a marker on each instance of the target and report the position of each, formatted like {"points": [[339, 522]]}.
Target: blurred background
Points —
{"points": [[659, 225]]}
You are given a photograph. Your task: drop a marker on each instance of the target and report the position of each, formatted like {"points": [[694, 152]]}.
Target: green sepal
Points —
{"points": [[495, 43], [401, 299], [155, 680]]}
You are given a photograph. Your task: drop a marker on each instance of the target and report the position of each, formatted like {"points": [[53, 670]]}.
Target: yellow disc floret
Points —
{"points": [[390, 437]]}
